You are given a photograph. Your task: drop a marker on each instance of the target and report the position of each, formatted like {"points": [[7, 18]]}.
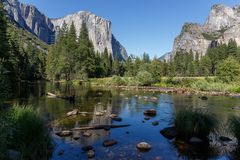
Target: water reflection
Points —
{"points": [[129, 105]]}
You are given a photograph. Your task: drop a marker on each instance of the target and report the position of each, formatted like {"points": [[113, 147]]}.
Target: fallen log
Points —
{"points": [[100, 127], [69, 98], [51, 94]]}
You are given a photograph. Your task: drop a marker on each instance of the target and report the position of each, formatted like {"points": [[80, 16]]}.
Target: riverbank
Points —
{"points": [[180, 85]]}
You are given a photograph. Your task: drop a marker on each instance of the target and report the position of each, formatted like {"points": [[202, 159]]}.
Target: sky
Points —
{"points": [[140, 25]]}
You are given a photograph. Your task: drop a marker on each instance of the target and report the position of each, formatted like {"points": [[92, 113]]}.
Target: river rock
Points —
{"points": [[87, 134], [113, 116], [87, 148], [204, 98], [143, 146], [108, 143], [224, 139], [169, 132], [150, 112], [119, 119], [195, 140], [154, 98], [90, 154], [155, 123], [99, 114], [64, 133]]}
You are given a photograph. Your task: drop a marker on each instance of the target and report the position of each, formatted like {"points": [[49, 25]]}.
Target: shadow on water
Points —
{"points": [[129, 105]]}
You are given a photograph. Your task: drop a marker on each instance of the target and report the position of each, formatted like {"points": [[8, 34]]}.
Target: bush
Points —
{"points": [[228, 70], [117, 80], [144, 78], [26, 133], [234, 123], [189, 123]]}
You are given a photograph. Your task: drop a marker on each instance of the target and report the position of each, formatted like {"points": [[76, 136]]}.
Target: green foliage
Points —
{"points": [[228, 70], [144, 78], [189, 123], [117, 80], [24, 131], [4, 48], [29, 132], [234, 123]]}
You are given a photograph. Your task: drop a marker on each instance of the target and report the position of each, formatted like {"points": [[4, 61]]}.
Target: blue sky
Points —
{"points": [[140, 25]]}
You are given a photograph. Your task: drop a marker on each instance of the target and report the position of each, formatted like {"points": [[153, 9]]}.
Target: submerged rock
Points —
{"points": [[61, 152], [204, 98], [87, 134], [150, 112], [143, 146], [195, 140], [224, 139], [73, 112], [90, 154], [119, 119], [146, 118], [108, 143], [169, 132], [64, 133], [87, 148], [155, 123]]}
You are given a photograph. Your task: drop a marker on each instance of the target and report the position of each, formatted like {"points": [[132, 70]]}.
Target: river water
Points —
{"points": [[129, 105]]}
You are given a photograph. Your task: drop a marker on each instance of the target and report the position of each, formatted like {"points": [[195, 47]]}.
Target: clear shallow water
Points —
{"points": [[129, 105]]}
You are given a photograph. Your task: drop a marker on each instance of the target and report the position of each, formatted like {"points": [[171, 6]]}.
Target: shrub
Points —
{"points": [[234, 123], [189, 123], [117, 80], [26, 133], [144, 78], [228, 70]]}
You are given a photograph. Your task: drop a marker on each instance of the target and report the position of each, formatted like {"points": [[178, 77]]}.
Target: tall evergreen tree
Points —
{"points": [[3, 34]]}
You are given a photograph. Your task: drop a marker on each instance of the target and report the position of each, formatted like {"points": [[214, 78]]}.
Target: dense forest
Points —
{"points": [[24, 57]]}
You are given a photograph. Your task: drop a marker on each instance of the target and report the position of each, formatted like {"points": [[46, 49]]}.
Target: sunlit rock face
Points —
{"points": [[46, 29], [222, 24]]}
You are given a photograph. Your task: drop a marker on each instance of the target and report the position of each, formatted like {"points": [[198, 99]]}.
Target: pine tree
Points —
{"points": [[116, 66], [4, 46]]}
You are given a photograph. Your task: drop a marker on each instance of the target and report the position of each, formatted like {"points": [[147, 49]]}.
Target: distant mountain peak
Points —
{"points": [[31, 19], [222, 24]]}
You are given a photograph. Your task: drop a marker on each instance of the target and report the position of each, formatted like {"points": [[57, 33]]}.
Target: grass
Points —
{"points": [[25, 132], [234, 125], [190, 123]]}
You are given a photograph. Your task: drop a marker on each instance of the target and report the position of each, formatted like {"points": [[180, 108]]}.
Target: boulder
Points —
{"points": [[64, 133], [143, 146], [108, 143], [90, 154], [150, 112], [169, 132]]}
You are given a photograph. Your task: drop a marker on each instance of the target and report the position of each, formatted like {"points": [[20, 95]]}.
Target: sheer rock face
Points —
{"points": [[46, 29], [222, 25]]}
